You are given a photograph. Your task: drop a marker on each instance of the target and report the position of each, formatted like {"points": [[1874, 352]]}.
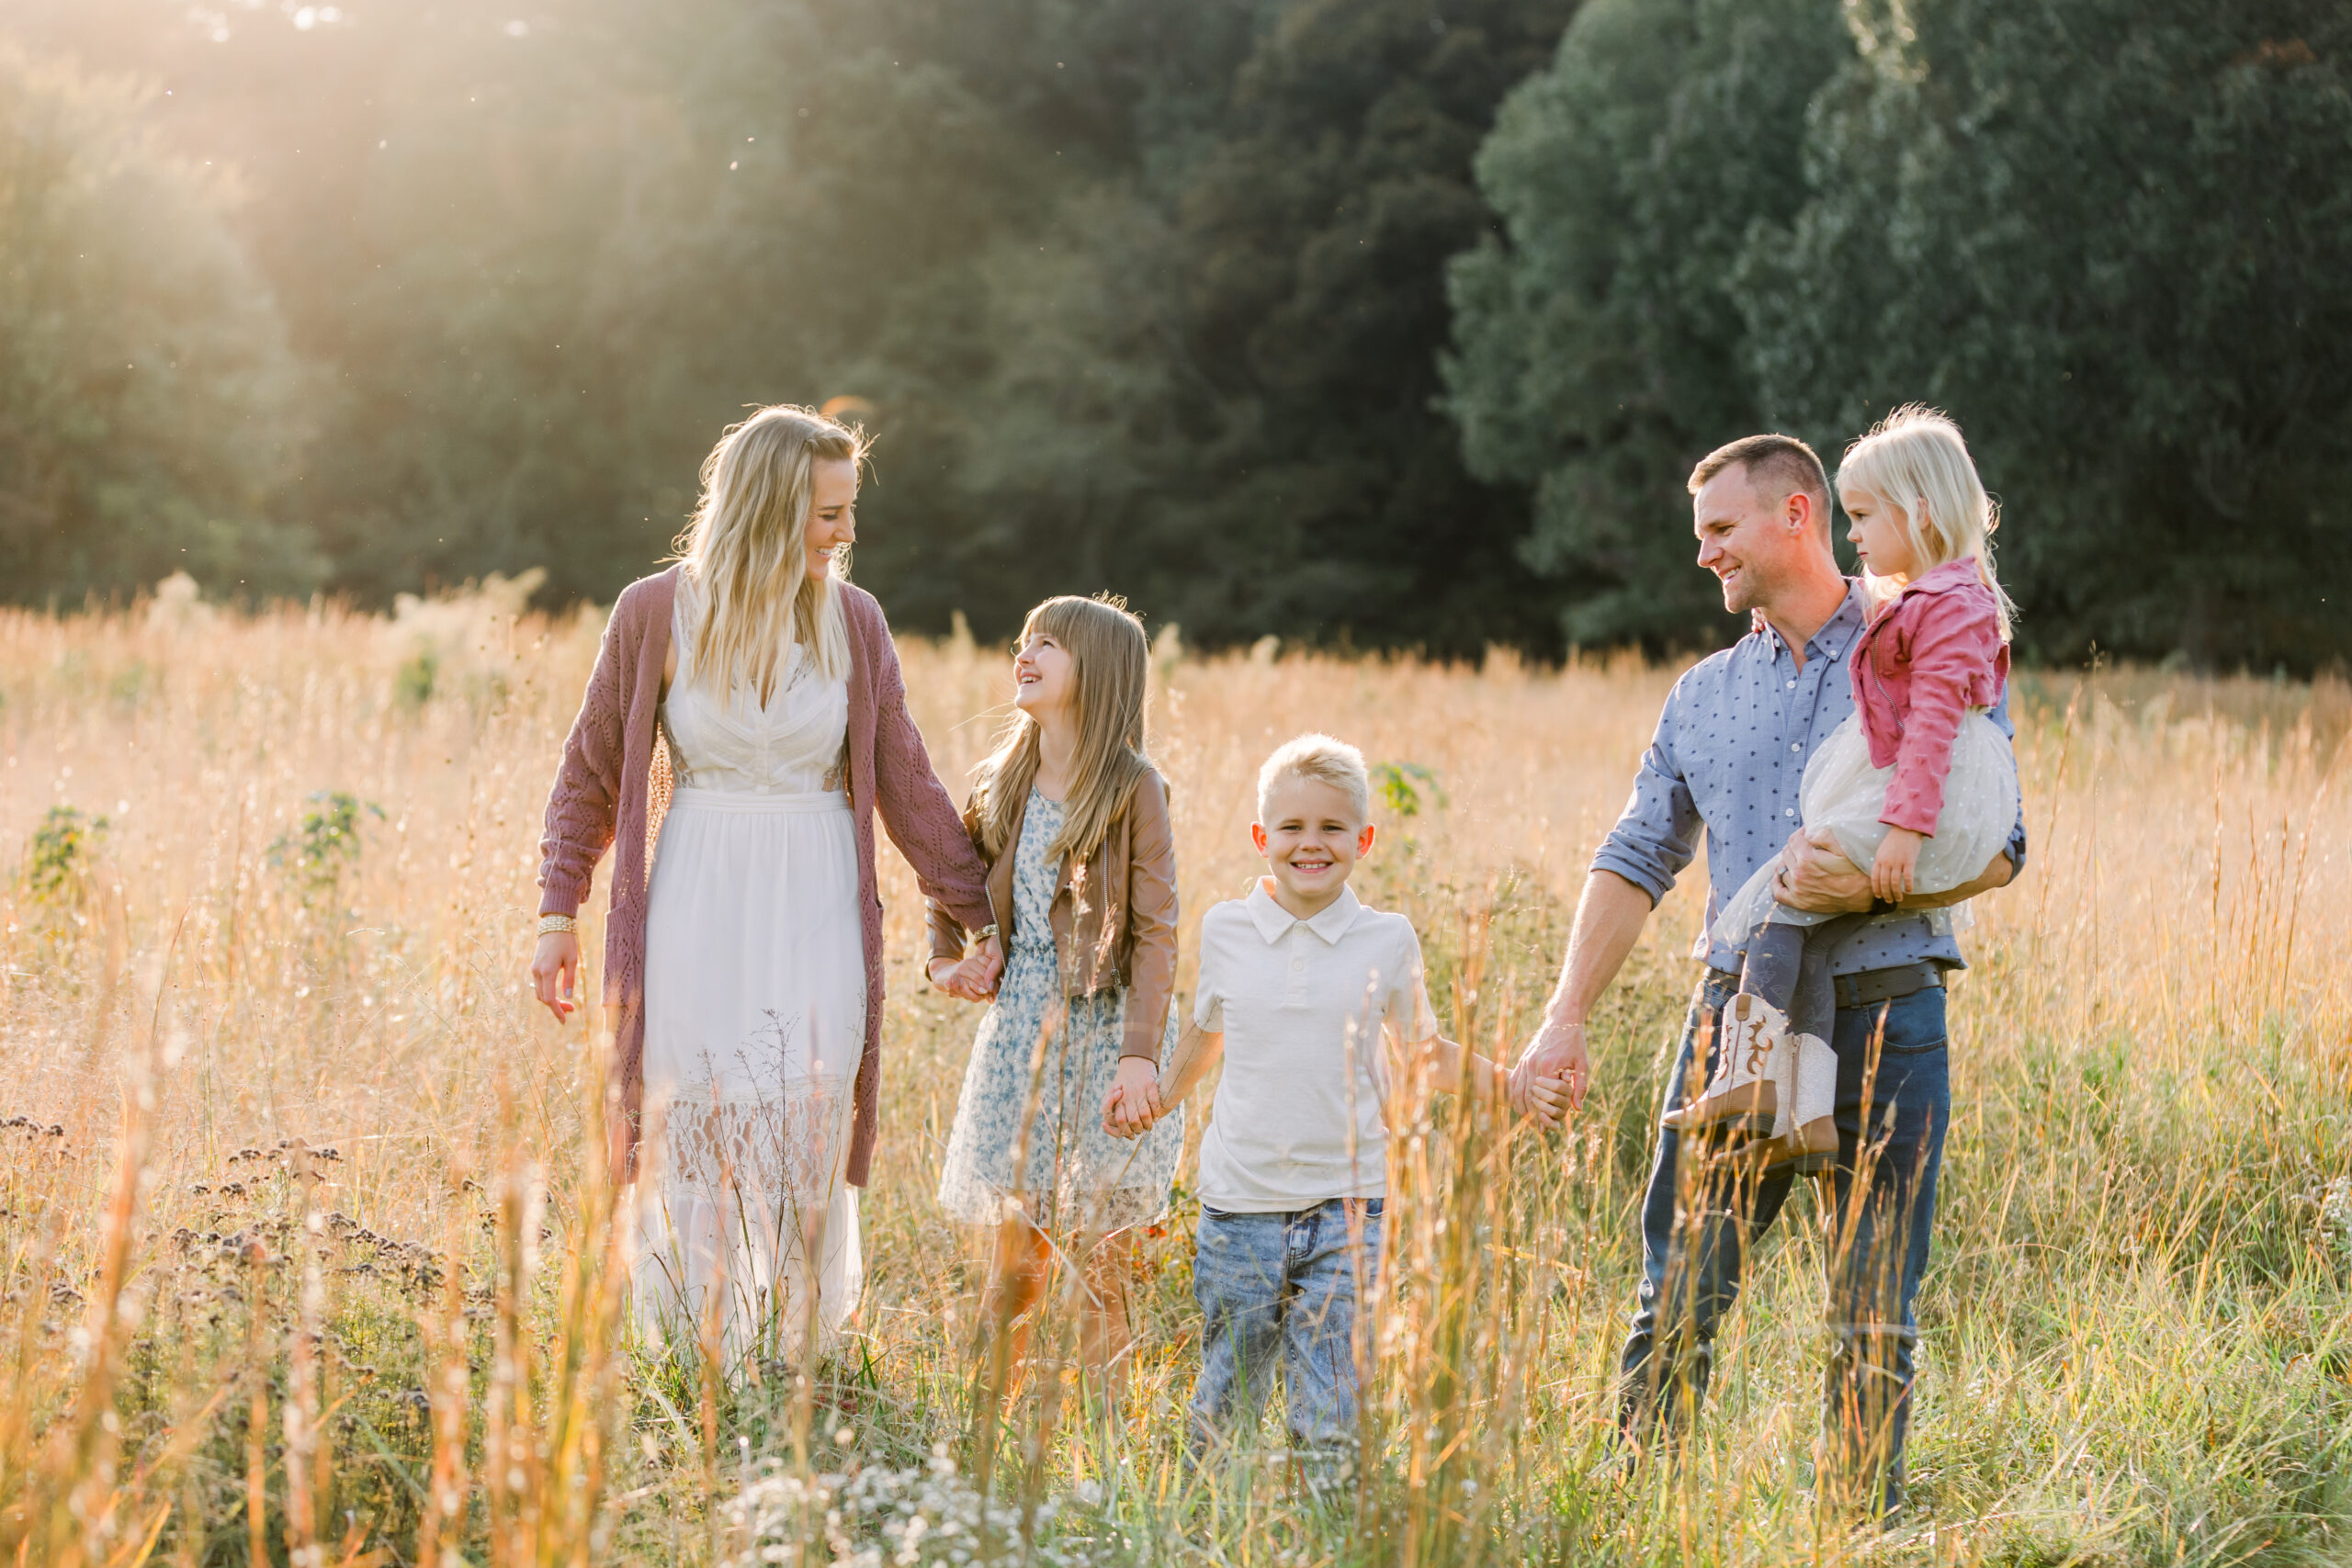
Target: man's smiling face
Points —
{"points": [[1744, 537]]}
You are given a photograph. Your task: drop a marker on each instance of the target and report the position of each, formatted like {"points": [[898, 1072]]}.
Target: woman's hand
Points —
{"points": [[1896, 868], [1133, 1107], [973, 979], [555, 971]]}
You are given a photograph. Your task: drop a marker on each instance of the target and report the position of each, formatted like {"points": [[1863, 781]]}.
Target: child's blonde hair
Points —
{"points": [[1110, 669], [1916, 462], [1324, 759]]}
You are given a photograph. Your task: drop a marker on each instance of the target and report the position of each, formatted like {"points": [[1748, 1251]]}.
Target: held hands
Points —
{"points": [[1553, 1073], [1132, 1107], [1897, 871], [973, 979], [555, 971]]}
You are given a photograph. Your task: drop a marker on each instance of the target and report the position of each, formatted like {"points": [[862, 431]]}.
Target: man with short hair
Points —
{"points": [[1729, 756]]}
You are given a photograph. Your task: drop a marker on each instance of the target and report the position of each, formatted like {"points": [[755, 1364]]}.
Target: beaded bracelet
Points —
{"points": [[552, 923]]}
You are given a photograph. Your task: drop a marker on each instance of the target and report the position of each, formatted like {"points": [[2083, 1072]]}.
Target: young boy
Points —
{"points": [[1299, 983]]}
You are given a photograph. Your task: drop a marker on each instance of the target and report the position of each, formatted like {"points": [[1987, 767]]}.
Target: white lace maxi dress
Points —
{"points": [[755, 1019]]}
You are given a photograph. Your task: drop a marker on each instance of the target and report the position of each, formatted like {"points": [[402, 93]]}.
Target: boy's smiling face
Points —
{"points": [[1312, 836]]}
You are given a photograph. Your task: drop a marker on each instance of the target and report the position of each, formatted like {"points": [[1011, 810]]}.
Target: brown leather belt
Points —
{"points": [[1870, 986]]}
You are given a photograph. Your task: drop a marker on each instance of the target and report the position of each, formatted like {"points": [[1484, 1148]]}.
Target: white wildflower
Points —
{"points": [[2335, 1213]]}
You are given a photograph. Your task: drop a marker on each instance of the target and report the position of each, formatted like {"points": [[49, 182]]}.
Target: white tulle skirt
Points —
{"points": [[1843, 792], [754, 1022]]}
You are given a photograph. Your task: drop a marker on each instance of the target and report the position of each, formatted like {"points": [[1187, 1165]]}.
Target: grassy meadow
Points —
{"points": [[307, 1260]]}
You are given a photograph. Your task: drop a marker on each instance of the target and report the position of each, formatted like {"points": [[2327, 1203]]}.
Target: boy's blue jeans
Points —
{"points": [[1699, 1225], [1283, 1285]]}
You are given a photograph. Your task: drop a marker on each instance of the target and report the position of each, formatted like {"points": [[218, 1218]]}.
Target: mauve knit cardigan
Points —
{"points": [[615, 782]]}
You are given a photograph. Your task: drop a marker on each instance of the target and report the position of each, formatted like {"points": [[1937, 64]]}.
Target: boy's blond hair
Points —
{"points": [[1324, 759]]}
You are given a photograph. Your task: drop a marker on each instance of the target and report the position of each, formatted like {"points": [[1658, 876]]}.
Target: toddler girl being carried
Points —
{"points": [[1919, 784]]}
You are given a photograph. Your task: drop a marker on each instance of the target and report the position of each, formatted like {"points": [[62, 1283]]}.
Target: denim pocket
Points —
{"points": [[1914, 1047], [1209, 1214], [1913, 1026]]}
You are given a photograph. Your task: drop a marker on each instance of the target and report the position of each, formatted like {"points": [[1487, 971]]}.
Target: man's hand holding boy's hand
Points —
{"points": [[1547, 1100], [1550, 1079], [1133, 1107]]}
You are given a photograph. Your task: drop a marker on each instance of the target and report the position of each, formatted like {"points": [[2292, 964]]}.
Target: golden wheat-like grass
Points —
{"points": [[306, 1259]]}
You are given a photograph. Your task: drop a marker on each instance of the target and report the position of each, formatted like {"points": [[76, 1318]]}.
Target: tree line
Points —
{"points": [[1383, 322]]}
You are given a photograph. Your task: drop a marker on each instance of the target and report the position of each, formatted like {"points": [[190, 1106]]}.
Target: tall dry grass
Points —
{"points": [[306, 1262]]}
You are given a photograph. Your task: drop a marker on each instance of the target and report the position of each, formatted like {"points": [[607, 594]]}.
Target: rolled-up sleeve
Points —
{"points": [[1657, 833]]}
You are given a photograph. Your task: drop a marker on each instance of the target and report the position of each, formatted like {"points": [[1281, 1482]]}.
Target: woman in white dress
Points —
{"points": [[745, 964], [754, 1002]]}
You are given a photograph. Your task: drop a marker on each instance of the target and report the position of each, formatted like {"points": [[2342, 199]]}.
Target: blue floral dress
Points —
{"points": [[1075, 1176]]}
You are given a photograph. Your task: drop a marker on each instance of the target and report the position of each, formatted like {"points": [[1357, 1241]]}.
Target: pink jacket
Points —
{"points": [[1921, 663], [614, 785]]}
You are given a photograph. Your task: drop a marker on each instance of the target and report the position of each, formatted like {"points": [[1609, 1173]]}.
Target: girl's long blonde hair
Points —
{"points": [[1110, 671], [1915, 461], [745, 552]]}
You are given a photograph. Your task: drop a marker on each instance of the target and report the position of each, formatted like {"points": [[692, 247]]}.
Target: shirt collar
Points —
{"points": [[1827, 643], [1274, 922]]}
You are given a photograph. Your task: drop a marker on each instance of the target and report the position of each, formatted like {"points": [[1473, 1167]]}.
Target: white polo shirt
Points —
{"points": [[1301, 1003]]}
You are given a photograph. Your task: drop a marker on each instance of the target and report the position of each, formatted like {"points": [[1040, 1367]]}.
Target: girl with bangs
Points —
{"points": [[1918, 785], [745, 721], [1072, 820]]}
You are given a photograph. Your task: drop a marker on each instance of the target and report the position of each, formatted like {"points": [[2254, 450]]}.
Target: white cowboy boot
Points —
{"points": [[1804, 1139], [1743, 1096]]}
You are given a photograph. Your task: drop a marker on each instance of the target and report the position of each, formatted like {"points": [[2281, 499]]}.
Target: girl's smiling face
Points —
{"points": [[1045, 677], [1879, 534]]}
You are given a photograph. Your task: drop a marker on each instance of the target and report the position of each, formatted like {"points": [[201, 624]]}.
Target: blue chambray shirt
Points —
{"points": [[1729, 755]]}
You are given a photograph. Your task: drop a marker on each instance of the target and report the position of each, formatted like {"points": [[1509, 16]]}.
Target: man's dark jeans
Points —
{"points": [[1700, 1220]]}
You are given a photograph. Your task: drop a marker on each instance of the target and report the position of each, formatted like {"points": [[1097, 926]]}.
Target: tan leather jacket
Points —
{"points": [[1114, 921]]}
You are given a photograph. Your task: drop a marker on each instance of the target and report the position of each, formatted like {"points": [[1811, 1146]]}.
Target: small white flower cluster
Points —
{"points": [[2335, 1213], [928, 1517]]}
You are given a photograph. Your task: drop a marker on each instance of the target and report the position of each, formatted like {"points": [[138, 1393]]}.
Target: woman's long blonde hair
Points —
{"points": [[1915, 461], [1110, 673], [746, 553]]}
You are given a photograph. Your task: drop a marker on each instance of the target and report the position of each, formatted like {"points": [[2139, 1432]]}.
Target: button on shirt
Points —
{"points": [[1729, 755], [1302, 1005]]}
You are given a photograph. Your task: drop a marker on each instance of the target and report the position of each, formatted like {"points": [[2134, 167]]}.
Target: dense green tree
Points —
{"points": [[2109, 236], [444, 199], [979, 168], [1328, 495], [1152, 298], [1598, 343], [147, 398]]}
